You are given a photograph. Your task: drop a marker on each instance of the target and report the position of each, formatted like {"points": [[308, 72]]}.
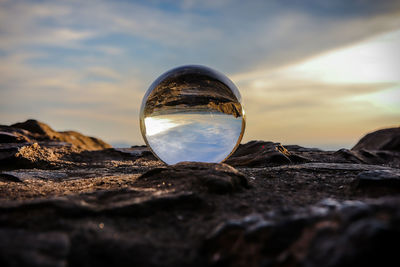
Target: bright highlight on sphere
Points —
{"points": [[192, 113]]}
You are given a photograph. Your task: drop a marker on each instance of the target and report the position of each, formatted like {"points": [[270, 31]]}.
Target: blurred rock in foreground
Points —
{"points": [[71, 200]]}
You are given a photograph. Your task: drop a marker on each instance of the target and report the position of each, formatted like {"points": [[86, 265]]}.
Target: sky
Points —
{"points": [[316, 73], [198, 136]]}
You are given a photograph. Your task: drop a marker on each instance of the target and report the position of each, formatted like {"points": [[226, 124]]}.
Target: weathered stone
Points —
{"points": [[321, 235], [259, 154], [332, 166], [138, 151], [125, 207], [196, 176], [30, 156], [39, 131], [385, 139], [102, 247], [27, 248], [123, 202], [9, 178], [7, 137], [368, 156], [26, 174], [348, 156], [389, 178]]}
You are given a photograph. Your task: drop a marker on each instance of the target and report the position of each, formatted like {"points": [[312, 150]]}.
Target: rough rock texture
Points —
{"points": [[33, 144], [35, 131], [331, 233], [379, 147], [385, 139], [210, 177], [262, 154], [267, 205]]}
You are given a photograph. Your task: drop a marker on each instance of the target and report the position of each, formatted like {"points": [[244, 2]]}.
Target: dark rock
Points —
{"points": [[365, 242], [138, 151], [211, 177], [256, 147], [42, 132], [259, 154], [379, 178], [7, 137], [9, 177], [368, 156], [31, 156], [348, 155], [297, 148], [332, 166], [52, 175], [25, 248], [7, 152], [62, 205], [102, 248], [321, 235], [385, 139], [36, 127], [129, 203], [294, 158], [49, 156]]}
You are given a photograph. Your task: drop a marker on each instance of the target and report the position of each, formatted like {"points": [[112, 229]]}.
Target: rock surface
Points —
{"points": [[385, 139], [34, 131], [66, 204], [331, 233], [195, 176], [262, 154]]}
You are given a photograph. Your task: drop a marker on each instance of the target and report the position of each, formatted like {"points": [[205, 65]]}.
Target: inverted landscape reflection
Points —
{"points": [[201, 136], [192, 113]]}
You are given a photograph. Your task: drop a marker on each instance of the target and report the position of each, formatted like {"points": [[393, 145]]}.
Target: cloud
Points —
{"points": [[110, 50], [230, 35], [86, 64], [103, 72], [328, 116], [337, 96], [83, 99], [31, 27]]}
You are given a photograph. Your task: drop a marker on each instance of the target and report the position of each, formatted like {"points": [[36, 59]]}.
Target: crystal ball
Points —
{"points": [[192, 113]]}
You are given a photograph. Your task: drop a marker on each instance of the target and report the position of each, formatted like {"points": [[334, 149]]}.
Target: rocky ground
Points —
{"points": [[71, 200]]}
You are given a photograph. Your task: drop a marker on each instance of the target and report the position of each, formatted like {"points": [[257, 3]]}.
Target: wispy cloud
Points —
{"points": [[336, 96], [86, 64]]}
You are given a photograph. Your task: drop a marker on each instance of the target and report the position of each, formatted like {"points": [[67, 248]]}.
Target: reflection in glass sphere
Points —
{"points": [[192, 113]]}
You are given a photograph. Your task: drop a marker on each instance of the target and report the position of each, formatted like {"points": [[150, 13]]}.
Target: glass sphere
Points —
{"points": [[192, 113]]}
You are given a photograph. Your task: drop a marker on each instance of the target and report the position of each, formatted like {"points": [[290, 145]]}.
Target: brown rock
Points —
{"points": [[107, 207], [259, 154], [388, 157], [378, 182], [385, 139], [12, 137], [35, 127], [197, 176], [39, 131], [30, 156]]}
